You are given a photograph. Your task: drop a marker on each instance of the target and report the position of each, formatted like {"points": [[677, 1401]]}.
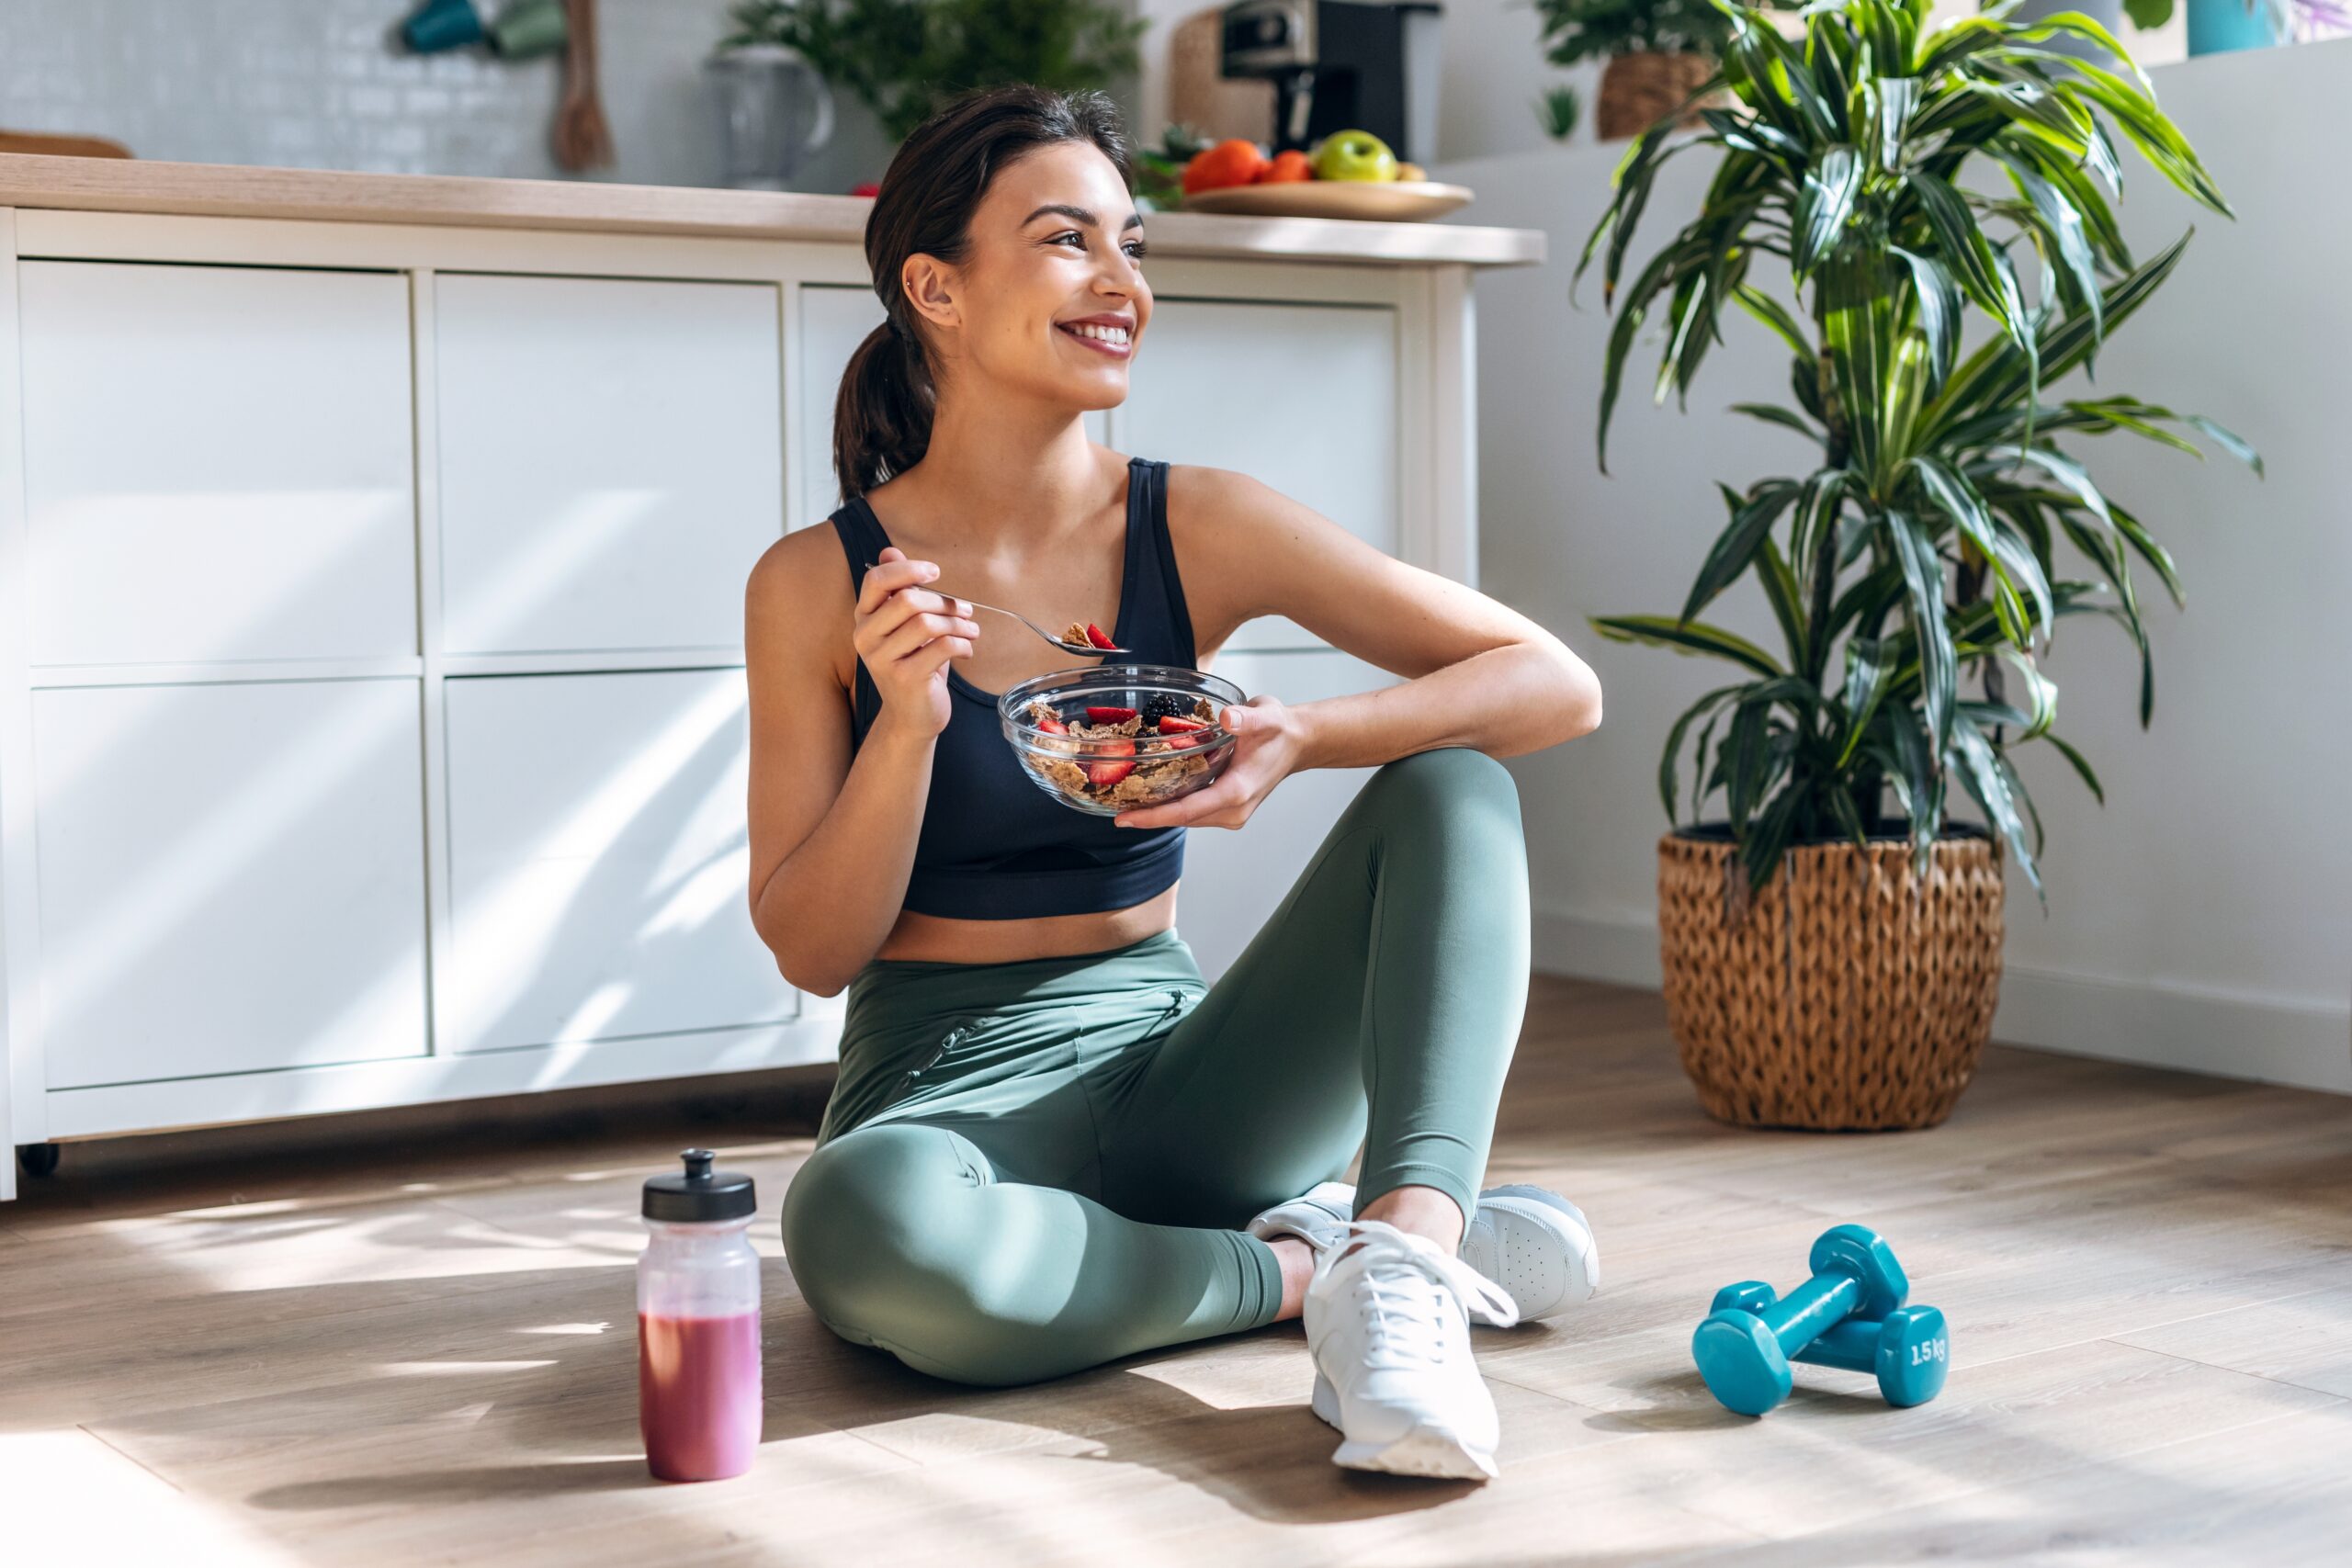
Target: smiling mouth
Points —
{"points": [[1113, 341]]}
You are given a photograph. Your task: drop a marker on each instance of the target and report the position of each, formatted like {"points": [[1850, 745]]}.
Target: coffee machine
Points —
{"points": [[1341, 66]]}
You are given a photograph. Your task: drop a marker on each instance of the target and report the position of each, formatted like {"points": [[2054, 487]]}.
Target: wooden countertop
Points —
{"points": [[109, 185]]}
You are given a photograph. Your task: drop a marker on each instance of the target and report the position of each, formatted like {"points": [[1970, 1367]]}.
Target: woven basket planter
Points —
{"points": [[1846, 996], [1637, 88]]}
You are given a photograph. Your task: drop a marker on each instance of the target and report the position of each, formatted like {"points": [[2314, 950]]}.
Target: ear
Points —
{"points": [[933, 289]]}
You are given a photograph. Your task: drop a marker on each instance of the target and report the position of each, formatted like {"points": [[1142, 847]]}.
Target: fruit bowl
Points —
{"points": [[1083, 737], [1389, 200]]}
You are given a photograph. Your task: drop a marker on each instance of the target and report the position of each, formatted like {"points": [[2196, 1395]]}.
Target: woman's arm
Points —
{"points": [[1479, 674], [832, 838]]}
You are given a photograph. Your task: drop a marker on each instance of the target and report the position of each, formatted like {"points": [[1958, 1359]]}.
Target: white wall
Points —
{"points": [[2204, 917], [324, 85]]}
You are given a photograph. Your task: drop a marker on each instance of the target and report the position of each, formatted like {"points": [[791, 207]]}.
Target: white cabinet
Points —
{"points": [[373, 722], [1301, 396], [1234, 880], [598, 863], [216, 464], [611, 459], [231, 877]]}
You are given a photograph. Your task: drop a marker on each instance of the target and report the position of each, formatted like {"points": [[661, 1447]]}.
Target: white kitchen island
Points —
{"points": [[372, 549]]}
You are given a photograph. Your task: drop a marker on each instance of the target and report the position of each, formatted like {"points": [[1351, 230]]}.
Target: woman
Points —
{"points": [[1051, 1145]]}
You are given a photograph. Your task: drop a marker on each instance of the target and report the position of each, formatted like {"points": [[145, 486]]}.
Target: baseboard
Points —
{"points": [[2155, 1023]]}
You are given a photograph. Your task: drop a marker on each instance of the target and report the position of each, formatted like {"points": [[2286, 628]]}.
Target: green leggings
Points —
{"points": [[1030, 1168]]}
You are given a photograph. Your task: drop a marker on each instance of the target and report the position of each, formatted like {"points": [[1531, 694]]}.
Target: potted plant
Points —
{"points": [[1658, 51], [1830, 963], [905, 58]]}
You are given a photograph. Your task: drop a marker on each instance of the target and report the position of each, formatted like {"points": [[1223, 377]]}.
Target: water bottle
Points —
{"points": [[699, 1324]]}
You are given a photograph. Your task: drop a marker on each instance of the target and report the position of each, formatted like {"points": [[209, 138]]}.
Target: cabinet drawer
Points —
{"points": [[611, 460], [217, 463], [231, 877], [598, 863], [1303, 397]]}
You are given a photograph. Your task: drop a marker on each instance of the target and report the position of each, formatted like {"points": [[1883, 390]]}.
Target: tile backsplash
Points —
{"points": [[326, 84]]}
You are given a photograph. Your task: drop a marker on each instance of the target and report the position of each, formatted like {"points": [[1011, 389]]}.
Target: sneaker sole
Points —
{"points": [[1425, 1451], [1575, 1240]]}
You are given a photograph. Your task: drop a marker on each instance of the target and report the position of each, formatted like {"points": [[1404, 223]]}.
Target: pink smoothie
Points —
{"points": [[699, 1395]]}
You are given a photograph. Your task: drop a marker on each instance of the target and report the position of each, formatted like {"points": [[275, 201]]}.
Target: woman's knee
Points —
{"points": [[857, 1219], [1449, 781], [887, 1233]]}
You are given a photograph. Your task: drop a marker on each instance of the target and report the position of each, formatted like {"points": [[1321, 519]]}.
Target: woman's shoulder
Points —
{"points": [[799, 593], [1201, 500]]}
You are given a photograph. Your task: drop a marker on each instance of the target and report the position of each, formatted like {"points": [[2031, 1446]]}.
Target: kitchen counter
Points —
{"points": [[106, 185]]}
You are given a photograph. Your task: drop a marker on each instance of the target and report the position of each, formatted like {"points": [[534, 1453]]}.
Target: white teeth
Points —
{"points": [[1107, 334]]}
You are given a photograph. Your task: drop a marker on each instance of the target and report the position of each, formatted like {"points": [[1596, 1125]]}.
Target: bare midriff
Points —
{"points": [[938, 939]]}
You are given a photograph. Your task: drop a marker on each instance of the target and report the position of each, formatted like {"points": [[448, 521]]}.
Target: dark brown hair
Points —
{"points": [[882, 415]]}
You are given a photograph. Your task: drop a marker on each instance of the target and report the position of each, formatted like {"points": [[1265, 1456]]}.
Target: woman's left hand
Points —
{"points": [[1269, 745]]}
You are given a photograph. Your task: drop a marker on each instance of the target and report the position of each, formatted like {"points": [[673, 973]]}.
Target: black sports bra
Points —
{"points": [[993, 845]]}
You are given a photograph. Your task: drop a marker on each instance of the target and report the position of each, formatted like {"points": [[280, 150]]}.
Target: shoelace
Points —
{"points": [[1409, 1292]]}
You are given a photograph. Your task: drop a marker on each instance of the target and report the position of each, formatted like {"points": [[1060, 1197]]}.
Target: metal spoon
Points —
{"points": [[1063, 643]]}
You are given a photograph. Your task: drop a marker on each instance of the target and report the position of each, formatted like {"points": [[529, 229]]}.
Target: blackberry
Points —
{"points": [[1165, 704]]}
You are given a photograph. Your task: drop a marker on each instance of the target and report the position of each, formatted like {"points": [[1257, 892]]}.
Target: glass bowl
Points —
{"points": [[1106, 763]]}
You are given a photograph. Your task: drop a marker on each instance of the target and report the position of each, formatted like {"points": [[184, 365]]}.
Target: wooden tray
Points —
{"points": [[1391, 200]]}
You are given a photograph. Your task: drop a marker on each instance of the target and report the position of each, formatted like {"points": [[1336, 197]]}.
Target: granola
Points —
{"points": [[1126, 761]]}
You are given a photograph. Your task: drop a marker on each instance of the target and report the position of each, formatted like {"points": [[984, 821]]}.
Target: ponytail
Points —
{"points": [[882, 414]]}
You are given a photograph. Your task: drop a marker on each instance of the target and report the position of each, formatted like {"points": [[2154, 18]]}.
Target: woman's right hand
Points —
{"points": [[906, 633]]}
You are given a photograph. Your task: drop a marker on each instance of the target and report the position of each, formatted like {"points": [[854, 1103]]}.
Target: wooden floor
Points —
{"points": [[413, 1344]]}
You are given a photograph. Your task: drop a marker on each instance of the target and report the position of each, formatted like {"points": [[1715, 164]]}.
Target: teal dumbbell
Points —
{"points": [[1909, 1350], [1743, 1356]]}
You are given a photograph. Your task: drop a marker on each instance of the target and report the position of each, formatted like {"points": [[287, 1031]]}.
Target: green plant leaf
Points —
{"points": [[1775, 315], [2009, 555], [2231, 442], [1923, 576], [1751, 519], [2081, 765], [1937, 299], [1686, 637], [1666, 767], [1747, 757], [2065, 469], [2146, 127], [2064, 226], [1859, 331], [1869, 664], [2145, 546], [1979, 772], [1788, 606], [1831, 183], [1787, 419]]}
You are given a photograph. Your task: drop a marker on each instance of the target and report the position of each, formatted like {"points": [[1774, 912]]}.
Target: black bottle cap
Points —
{"points": [[700, 1195]]}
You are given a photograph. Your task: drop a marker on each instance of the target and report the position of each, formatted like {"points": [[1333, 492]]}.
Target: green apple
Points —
{"points": [[1353, 155]]}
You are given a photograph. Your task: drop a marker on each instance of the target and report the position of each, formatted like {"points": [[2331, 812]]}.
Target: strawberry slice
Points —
{"points": [[1094, 634], [1171, 724], [1109, 716], [1117, 763], [1053, 726]]}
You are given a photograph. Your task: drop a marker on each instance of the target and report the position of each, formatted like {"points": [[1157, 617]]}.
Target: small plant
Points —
{"points": [[1927, 552], [904, 59], [1601, 29], [1555, 112]]}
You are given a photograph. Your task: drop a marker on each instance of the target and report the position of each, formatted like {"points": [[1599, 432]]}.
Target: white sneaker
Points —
{"points": [[1388, 1319], [1534, 1243]]}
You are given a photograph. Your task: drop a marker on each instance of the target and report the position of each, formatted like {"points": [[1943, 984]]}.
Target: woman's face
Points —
{"points": [[1050, 300]]}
